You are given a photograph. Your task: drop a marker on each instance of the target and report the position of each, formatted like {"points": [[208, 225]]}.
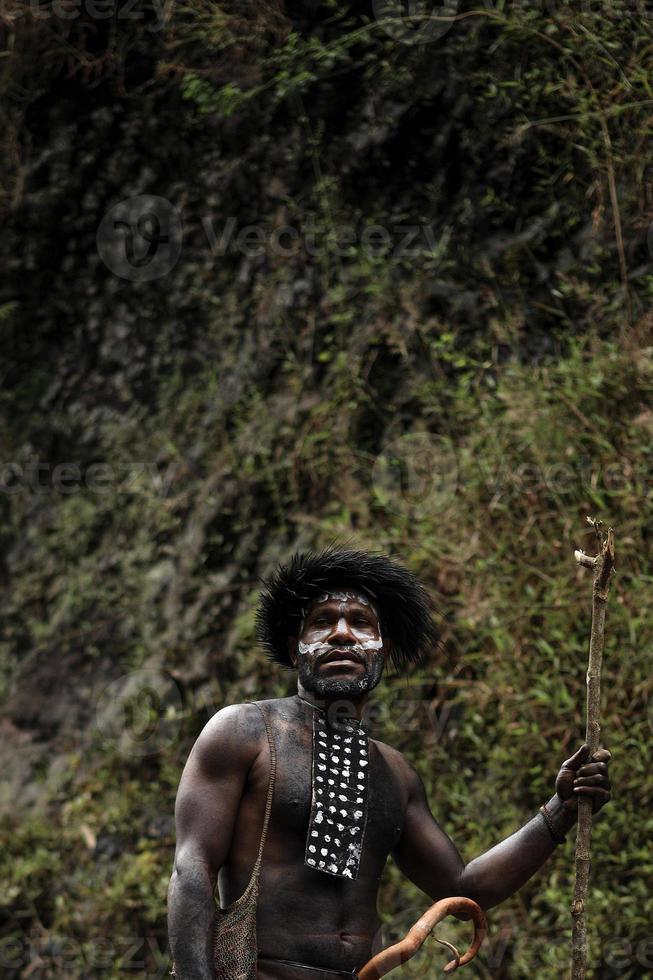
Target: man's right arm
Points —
{"points": [[208, 798]]}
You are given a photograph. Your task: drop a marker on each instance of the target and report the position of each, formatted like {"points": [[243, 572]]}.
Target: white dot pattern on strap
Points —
{"points": [[350, 768]]}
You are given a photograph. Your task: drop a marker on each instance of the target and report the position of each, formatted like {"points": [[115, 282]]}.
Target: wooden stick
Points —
{"points": [[392, 957], [603, 566]]}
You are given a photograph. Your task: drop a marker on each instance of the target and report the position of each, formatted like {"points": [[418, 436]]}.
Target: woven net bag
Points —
{"points": [[235, 948]]}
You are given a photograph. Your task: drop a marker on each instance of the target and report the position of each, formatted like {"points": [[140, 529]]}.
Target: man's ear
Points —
{"points": [[292, 649]]}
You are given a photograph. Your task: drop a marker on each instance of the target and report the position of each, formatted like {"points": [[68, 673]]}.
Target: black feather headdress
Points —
{"points": [[402, 603]]}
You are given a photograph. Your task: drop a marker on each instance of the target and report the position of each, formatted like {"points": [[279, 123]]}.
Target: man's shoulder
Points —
{"points": [[236, 730], [239, 714], [241, 722], [396, 760], [408, 776]]}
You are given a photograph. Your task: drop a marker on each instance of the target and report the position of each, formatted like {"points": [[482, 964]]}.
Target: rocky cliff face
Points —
{"points": [[276, 276]]}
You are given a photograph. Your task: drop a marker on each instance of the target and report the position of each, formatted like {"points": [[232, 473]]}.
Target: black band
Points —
{"points": [[549, 822], [307, 966]]}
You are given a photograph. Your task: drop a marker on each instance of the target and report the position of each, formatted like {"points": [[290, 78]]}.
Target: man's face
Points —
{"points": [[340, 650]]}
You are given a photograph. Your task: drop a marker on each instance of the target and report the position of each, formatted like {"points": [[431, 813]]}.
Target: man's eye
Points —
{"points": [[363, 622]]}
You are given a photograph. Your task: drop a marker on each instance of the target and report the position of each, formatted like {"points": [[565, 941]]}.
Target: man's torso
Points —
{"points": [[304, 914]]}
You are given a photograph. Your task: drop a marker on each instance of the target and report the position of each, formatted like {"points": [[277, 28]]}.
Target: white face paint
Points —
{"points": [[319, 647], [342, 597], [364, 641], [306, 649], [367, 647], [370, 644]]}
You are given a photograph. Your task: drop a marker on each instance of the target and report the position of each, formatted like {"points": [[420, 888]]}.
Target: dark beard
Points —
{"points": [[325, 687]]}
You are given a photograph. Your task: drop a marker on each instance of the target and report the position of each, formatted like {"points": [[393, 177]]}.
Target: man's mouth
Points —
{"points": [[341, 658]]}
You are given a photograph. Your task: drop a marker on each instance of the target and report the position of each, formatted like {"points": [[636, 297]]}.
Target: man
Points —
{"points": [[342, 802]]}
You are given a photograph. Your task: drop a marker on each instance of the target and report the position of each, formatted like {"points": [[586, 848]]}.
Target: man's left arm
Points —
{"points": [[428, 857]]}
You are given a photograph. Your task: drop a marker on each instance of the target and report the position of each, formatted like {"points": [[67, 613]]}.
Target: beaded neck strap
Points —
{"points": [[339, 795], [351, 724]]}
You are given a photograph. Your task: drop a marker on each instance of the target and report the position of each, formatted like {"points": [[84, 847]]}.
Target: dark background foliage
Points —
{"points": [[410, 309]]}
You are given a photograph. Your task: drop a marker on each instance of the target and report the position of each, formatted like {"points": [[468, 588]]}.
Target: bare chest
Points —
{"points": [[293, 797]]}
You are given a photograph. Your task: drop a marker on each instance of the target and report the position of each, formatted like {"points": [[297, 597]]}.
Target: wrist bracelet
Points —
{"points": [[549, 822]]}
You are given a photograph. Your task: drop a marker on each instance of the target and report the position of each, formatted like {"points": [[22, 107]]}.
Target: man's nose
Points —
{"points": [[341, 631]]}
